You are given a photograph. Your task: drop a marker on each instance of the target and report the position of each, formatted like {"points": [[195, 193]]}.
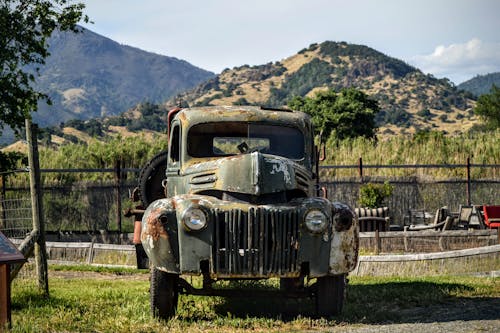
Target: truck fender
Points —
{"points": [[159, 235]]}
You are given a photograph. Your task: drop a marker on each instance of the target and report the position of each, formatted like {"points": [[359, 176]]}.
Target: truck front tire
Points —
{"points": [[330, 294], [164, 294]]}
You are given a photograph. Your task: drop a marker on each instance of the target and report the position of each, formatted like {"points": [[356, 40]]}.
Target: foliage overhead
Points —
{"points": [[10, 160], [488, 108], [348, 114], [24, 28]]}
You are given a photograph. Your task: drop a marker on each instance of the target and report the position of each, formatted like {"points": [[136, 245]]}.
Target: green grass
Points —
{"points": [[112, 300]]}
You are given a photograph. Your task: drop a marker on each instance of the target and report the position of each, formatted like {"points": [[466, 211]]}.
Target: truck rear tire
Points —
{"points": [[164, 294], [151, 178], [291, 284], [330, 295]]}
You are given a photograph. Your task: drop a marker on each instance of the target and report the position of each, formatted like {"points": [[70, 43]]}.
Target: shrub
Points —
{"points": [[373, 195]]}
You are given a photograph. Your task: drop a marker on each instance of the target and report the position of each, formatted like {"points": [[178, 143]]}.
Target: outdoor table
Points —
{"points": [[9, 254]]}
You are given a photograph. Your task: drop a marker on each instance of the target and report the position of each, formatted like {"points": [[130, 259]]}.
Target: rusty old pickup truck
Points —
{"points": [[236, 197]]}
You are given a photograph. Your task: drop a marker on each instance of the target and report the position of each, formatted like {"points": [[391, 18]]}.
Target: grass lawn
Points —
{"points": [[118, 301]]}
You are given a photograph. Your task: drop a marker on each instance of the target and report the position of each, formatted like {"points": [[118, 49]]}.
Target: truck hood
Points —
{"points": [[254, 174]]}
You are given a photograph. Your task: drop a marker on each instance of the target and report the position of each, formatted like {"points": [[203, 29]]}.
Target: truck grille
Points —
{"points": [[262, 242]]}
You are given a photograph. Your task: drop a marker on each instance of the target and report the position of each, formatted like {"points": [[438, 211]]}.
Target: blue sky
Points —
{"points": [[457, 39]]}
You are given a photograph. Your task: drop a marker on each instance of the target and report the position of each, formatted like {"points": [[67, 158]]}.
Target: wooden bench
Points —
{"points": [[491, 216], [373, 219]]}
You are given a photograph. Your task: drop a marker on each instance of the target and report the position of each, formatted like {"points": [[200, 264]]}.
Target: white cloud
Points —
{"points": [[460, 62]]}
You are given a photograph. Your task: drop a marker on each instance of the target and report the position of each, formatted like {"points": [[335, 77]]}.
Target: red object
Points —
{"points": [[9, 254], [492, 216]]}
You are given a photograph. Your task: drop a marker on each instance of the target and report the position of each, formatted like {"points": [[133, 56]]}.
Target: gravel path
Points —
{"points": [[468, 315]]}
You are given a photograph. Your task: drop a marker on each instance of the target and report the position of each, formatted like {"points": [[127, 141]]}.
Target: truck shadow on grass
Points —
{"points": [[389, 302]]}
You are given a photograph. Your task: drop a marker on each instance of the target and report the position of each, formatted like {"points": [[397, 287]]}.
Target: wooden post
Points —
{"points": [[118, 178], [360, 169], [2, 203], [405, 239], [5, 317], [36, 204], [468, 181], [378, 243], [9, 255]]}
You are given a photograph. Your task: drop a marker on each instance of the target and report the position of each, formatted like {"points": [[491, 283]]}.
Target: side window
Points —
{"points": [[174, 147]]}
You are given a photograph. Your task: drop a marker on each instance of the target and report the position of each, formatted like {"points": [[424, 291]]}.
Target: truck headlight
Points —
{"points": [[316, 221], [194, 219]]}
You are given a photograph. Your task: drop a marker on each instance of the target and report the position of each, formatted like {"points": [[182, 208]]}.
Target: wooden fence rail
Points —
{"points": [[468, 251], [426, 241]]}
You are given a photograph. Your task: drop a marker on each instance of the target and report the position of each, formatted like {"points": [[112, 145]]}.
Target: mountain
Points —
{"points": [[89, 76], [410, 100], [481, 84]]}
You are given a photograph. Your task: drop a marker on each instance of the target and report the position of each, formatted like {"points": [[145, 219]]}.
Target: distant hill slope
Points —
{"points": [[481, 84], [410, 100], [89, 76]]}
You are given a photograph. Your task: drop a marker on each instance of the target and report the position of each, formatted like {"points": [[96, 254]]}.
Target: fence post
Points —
{"points": [[2, 203], [378, 243], [468, 181], [118, 178], [360, 169], [36, 203], [405, 239]]}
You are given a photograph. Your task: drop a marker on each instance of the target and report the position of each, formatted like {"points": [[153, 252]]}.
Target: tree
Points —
{"points": [[348, 114], [25, 26], [10, 160], [488, 108]]}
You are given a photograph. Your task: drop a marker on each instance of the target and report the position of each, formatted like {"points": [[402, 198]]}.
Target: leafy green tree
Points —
{"points": [[488, 108], [25, 26], [348, 114]]}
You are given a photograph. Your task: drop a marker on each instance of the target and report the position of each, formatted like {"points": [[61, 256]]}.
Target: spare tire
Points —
{"points": [[151, 178]]}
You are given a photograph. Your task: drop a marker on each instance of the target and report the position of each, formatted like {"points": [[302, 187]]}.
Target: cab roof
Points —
{"points": [[197, 115]]}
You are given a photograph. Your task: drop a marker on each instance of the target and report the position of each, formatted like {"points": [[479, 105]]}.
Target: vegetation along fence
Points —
{"points": [[417, 194], [93, 200], [70, 204]]}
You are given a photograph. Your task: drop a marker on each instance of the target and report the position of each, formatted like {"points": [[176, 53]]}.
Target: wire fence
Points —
{"points": [[93, 200]]}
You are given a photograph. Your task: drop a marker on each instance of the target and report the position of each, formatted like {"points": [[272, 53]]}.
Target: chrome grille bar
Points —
{"points": [[261, 242]]}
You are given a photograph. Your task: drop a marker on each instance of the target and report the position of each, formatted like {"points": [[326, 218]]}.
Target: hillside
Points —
{"points": [[481, 84], [89, 76], [409, 100]]}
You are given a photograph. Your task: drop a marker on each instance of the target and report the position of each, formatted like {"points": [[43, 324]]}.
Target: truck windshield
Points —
{"points": [[232, 138]]}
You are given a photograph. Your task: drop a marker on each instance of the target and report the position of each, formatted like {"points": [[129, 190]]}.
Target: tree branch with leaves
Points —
{"points": [[25, 26], [488, 108]]}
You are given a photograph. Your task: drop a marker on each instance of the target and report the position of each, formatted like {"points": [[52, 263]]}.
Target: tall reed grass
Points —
{"points": [[433, 148]]}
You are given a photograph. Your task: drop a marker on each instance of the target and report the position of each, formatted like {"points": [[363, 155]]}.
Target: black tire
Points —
{"points": [[151, 178], [291, 284], [330, 295], [164, 294]]}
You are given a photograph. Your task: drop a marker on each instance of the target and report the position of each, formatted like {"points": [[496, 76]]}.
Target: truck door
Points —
{"points": [[174, 159]]}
